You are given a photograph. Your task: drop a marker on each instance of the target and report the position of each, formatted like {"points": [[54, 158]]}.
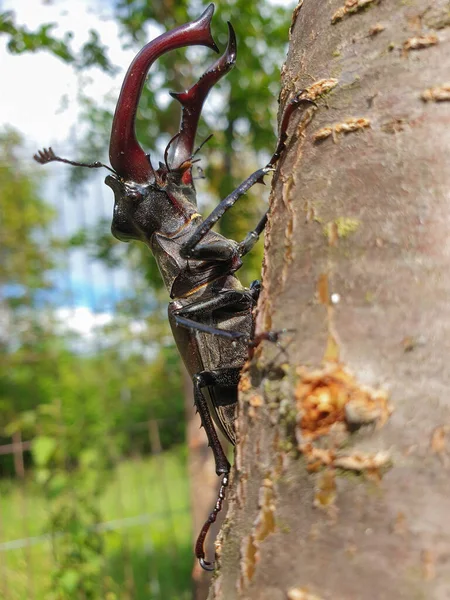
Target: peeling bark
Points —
{"points": [[341, 487]]}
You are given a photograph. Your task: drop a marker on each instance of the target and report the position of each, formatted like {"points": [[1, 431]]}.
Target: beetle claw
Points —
{"points": [[207, 566]]}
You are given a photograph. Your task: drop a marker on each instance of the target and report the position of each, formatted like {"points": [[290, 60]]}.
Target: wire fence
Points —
{"points": [[146, 529]]}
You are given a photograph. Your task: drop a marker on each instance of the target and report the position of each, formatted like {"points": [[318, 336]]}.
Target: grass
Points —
{"points": [[148, 547]]}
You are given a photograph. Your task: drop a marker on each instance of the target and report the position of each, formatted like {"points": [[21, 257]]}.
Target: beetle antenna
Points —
{"points": [[166, 151], [47, 155], [189, 162], [205, 141]]}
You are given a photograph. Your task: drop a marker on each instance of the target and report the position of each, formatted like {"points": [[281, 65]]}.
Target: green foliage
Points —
{"points": [[27, 255], [41, 363], [93, 53], [70, 458], [21, 40], [98, 242], [108, 391], [150, 559], [26, 252], [156, 391], [85, 411]]}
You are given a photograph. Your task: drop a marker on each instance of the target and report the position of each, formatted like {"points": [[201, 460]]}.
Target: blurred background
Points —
{"points": [[99, 485]]}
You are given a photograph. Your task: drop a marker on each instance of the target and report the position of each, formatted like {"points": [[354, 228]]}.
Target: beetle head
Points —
{"points": [[140, 209], [146, 198]]}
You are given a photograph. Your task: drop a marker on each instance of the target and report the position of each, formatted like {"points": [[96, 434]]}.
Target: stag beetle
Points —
{"points": [[211, 312]]}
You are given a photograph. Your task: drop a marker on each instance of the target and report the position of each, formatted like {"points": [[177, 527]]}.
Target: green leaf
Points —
{"points": [[43, 448], [42, 476], [57, 484], [89, 457], [70, 580]]}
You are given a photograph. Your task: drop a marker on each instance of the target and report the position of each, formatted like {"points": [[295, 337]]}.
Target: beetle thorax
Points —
{"points": [[142, 210]]}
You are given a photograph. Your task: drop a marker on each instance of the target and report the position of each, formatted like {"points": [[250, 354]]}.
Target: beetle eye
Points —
{"points": [[134, 195]]}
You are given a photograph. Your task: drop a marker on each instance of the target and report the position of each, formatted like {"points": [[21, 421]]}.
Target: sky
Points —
{"points": [[39, 98], [35, 86]]}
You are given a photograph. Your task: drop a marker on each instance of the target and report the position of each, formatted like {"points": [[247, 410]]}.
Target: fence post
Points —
{"points": [[153, 433], [17, 447]]}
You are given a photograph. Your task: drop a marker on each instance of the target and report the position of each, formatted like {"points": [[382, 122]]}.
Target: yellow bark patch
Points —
{"points": [[325, 492], [319, 88], [265, 521], [256, 400], [363, 461], [323, 289], [428, 559], [350, 7], [248, 561], [244, 382], [264, 524], [348, 126], [419, 42], [438, 442], [440, 93], [323, 395], [376, 29], [340, 228], [301, 594]]}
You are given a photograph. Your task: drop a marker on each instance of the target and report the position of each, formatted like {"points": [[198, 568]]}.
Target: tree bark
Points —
{"points": [[341, 487]]}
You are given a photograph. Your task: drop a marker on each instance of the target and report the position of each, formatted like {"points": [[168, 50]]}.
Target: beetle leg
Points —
{"points": [[252, 237], [296, 101], [220, 250], [196, 326], [201, 380], [223, 377], [188, 248], [199, 545], [241, 300], [255, 289]]}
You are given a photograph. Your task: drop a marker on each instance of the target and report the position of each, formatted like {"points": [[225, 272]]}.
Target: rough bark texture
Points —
{"points": [[342, 481]]}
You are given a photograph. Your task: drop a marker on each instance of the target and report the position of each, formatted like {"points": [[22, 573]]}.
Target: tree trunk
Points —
{"points": [[342, 482]]}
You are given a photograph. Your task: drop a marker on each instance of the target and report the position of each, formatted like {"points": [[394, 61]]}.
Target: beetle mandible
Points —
{"points": [[211, 312]]}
